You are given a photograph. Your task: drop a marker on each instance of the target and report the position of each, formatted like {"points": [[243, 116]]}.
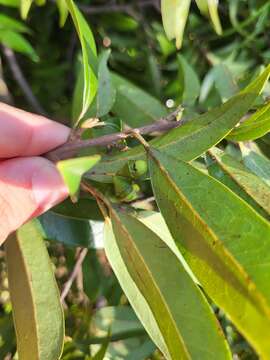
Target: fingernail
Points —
{"points": [[48, 188]]}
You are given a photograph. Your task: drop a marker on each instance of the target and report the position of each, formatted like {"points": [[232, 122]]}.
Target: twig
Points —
{"points": [[74, 274], [71, 148], [20, 79]]}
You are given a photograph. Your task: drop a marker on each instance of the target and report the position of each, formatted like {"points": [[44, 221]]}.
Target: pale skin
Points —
{"points": [[29, 183]]}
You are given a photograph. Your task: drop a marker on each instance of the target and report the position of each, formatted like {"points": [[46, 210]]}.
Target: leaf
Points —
{"points": [[194, 137], [63, 11], [210, 8], [8, 23], [83, 209], [256, 162], [135, 106], [256, 126], [174, 17], [18, 43], [171, 299], [220, 237], [37, 311], [11, 3], [72, 170], [89, 54], [251, 184], [67, 231], [224, 82], [190, 82], [25, 6], [106, 91]]}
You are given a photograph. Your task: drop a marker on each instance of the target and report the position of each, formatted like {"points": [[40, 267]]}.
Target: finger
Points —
{"points": [[28, 187], [26, 134]]}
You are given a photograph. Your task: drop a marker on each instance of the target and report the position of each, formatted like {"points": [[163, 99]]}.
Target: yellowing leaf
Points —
{"points": [[174, 17]]}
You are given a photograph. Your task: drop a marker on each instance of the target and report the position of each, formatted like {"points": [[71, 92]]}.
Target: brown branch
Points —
{"points": [[74, 274], [70, 149], [21, 81]]}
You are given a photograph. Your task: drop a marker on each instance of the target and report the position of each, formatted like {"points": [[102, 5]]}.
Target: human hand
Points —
{"points": [[29, 184]]}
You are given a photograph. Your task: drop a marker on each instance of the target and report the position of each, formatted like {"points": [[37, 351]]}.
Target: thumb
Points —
{"points": [[28, 187]]}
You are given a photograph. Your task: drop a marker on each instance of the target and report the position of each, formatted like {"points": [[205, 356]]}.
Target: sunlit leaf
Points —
{"points": [[63, 11], [17, 42], [167, 293], [225, 251], [255, 126], [174, 17], [72, 170]]}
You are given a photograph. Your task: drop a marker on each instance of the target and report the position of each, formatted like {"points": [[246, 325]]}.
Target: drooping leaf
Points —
{"points": [[174, 17], [135, 106], [25, 6], [210, 8], [251, 184], [174, 301], [37, 311], [63, 11], [106, 91], [72, 232], [192, 139], [89, 54], [257, 125], [72, 170], [225, 251], [11, 3], [17, 42]]}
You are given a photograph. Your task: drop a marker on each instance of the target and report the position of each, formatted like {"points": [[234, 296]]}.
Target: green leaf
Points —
{"points": [[25, 6], [194, 137], [172, 302], [8, 23], [72, 170], [106, 91], [250, 184], [174, 17], [89, 54], [135, 106], [210, 8], [72, 232], [256, 162], [257, 125], [11, 3], [37, 311], [220, 237], [18, 43], [63, 11], [83, 209], [190, 82], [224, 82]]}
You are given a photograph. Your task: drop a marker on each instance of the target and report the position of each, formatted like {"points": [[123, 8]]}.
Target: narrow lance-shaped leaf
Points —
{"points": [[255, 126], [37, 312], [63, 11], [25, 6], [89, 53], [174, 17], [72, 170], [174, 300], [210, 7], [192, 139], [251, 184], [224, 241]]}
